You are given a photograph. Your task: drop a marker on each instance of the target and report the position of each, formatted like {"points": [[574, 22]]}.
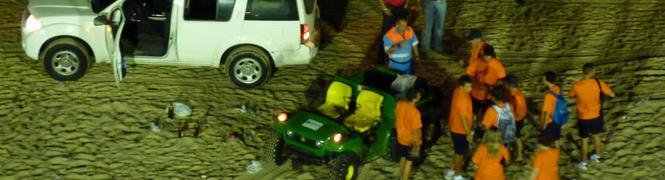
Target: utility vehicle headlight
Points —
{"points": [[282, 117], [337, 137]]}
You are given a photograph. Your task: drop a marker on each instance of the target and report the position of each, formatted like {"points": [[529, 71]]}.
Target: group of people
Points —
{"points": [[488, 109]]}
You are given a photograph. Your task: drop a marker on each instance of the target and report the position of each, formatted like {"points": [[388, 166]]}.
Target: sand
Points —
{"points": [[89, 129]]}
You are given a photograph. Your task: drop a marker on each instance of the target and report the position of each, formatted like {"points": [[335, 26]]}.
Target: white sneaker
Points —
{"points": [[595, 158], [582, 165], [449, 174], [459, 177]]}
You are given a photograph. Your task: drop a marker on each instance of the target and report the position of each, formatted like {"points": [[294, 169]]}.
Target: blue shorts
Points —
{"points": [[403, 68]]}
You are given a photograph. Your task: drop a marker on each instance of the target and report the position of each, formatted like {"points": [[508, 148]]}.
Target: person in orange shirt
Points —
{"points": [[489, 155], [408, 125], [485, 75], [518, 104], [546, 161], [475, 39], [548, 127], [460, 123], [499, 98], [587, 93]]}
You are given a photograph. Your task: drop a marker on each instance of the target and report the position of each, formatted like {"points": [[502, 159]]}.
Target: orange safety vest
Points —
{"points": [[397, 37]]}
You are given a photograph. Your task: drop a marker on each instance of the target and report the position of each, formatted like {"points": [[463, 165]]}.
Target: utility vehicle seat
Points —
{"points": [[368, 111], [338, 98]]}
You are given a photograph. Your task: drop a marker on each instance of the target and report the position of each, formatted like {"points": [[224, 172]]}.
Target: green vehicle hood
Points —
{"points": [[313, 126]]}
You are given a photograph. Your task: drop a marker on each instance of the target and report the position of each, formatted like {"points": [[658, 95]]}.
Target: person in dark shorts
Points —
{"points": [[486, 73], [460, 124], [588, 92], [548, 127], [409, 131]]}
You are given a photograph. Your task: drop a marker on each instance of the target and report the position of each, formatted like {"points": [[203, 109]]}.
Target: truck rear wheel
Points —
{"points": [[274, 153], [345, 167], [66, 59]]}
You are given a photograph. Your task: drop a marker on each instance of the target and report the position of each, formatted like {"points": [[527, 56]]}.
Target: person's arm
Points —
{"points": [[414, 44], [467, 129], [572, 93], [606, 89], [489, 118], [388, 45], [416, 53], [393, 48], [534, 173], [505, 153], [545, 119], [384, 9], [416, 142]]}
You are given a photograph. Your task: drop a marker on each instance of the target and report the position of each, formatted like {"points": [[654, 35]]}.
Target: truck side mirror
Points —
{"points": [[101, 20]]}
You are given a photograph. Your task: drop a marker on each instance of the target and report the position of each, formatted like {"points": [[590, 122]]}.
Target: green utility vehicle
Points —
{"points": [[353, 126]]}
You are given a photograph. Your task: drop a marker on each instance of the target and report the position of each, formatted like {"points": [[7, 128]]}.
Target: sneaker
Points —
{"points": [[595, 158], [582, 165], [459, 177], [449, 174]]}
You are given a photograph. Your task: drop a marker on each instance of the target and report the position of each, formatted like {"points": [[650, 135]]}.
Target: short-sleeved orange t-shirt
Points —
{"points": [[489, 167], [485, 73], [549, 104], [518, 104], [547, 163], [407, 120], [461, 107], [491, 117], [587, 94]]}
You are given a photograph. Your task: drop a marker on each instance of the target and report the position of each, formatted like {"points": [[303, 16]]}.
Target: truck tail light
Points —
{"points": [[304, 33]]}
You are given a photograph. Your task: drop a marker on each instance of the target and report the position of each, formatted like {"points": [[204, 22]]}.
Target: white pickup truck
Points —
{"points": [[249, 38]]}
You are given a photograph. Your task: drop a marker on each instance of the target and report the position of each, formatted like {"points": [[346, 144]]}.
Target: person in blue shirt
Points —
{"points": [[400, 44]]}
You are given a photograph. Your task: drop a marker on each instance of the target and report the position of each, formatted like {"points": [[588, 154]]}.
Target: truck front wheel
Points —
{"points": [[345, 167], [66, 59]]}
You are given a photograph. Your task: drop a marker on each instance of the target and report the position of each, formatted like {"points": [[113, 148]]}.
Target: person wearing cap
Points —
{"points": [[485, 73], [400, 44], [475, 39], [435, 13]]}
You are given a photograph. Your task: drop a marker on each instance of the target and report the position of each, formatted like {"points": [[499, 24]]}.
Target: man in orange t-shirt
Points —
{"points": [[546, 161], [587, 93], [460, 123], [518, 104], [485, 75], [408, 124], [488, 157], [548, 127]]}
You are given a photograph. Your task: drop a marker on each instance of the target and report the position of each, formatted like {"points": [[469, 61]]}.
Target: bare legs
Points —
{"points": [[404, 168]]}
